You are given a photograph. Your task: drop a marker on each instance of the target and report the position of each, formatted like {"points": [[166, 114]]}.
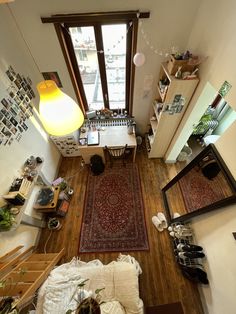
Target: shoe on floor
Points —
{"points": [[172, 234], [157, 223], [189, 247], [176, 215], [191, 254], [163, 220], [195, 274]]}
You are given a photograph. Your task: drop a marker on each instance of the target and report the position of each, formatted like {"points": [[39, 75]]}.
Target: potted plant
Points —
{"points": [[8, 304], [87, 304], [7, 219], [54, 224]]}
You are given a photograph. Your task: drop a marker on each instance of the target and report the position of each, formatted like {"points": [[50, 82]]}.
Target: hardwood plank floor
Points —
{"points": [[161, 281]]}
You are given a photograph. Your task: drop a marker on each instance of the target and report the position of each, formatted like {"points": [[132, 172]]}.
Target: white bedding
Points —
{"points": [[119, 278]]}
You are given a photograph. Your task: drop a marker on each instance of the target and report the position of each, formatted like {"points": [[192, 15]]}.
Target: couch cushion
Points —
{"points": [[120, 280], [112, 307]]}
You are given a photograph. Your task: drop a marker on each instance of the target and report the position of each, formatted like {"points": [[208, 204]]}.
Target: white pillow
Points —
{"points": [[112, 307]]}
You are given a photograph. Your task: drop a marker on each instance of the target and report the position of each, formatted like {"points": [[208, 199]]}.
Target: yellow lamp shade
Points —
{"points": [[59, 113]]}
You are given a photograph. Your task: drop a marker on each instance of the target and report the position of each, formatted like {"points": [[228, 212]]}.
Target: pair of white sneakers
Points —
{"points": [[180, 231], [159, 221]]}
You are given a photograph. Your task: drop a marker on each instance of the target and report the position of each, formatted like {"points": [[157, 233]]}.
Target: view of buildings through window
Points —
{"points": [[114, 43]]}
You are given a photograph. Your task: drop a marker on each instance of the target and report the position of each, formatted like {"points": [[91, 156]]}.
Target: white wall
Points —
{"points": [[194, 114], [34, 142], [213, 35], [225, 122], [168, 25], [213, 231]]}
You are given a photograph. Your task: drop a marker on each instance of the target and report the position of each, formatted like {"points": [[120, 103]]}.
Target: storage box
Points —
{"points": [[173, 65]]}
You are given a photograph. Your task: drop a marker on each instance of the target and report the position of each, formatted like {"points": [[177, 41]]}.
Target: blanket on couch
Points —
{"points": [[119, 278]]}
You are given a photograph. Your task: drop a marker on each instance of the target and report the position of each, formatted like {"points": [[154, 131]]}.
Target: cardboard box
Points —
{"points": [[173, 65]]}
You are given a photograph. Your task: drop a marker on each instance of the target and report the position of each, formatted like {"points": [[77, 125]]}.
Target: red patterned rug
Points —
{"points": [[113, 217], [198, 191]]}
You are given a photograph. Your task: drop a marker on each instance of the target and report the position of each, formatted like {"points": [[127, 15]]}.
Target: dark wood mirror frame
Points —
{"points": [[210, 149]]}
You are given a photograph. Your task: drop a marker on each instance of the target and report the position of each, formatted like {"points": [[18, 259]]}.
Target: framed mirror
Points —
{"points": [[203, 185]]}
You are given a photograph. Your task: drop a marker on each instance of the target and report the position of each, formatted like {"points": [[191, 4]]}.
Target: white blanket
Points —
{"points": [[119, 278]]}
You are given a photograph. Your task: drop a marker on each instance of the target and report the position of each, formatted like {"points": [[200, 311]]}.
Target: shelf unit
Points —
{"points": [[186, 262], [39, 180], [172, 98]]}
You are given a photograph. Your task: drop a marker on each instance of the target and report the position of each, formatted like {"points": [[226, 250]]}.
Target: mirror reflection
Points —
{"points": [[203, 185]]}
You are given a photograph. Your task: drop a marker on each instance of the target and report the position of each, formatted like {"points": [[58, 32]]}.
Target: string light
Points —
{"points": [[121, 38], [101, 51], [156, 50]]}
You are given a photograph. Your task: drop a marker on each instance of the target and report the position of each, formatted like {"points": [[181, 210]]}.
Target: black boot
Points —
{"points": [[189, 247], [195, 274], [191, 254]]}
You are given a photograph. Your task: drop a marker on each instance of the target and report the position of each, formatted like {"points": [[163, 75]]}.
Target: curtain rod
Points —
{"points": [[67, 18]]}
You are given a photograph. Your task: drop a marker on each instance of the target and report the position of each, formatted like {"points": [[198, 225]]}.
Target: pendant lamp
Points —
{"points": [[59, 113]]}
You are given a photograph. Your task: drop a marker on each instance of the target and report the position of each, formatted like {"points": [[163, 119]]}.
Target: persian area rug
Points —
{"points": [[198, 191], [113, 218]]}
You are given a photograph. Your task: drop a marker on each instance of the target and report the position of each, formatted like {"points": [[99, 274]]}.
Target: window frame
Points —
{"points": [[101, 60], [61, 24]]}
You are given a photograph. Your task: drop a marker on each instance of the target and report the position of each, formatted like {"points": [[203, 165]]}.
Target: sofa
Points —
{"points": [[120, 295]]}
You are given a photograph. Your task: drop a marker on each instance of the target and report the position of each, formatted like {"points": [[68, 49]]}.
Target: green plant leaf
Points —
{"points": [[22, 271], [69, 312], [102, 302], [2, 283], [6, 218], [82, 284], [97, 291]]}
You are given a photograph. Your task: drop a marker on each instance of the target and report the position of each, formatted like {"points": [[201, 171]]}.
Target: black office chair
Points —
{"points": [[116, 153]]}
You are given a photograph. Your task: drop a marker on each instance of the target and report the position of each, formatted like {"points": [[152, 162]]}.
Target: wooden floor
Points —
{"points": [[161, 281]]}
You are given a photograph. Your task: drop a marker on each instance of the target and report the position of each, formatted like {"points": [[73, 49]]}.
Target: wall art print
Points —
{"points": [[52, 76], [15, 107]]}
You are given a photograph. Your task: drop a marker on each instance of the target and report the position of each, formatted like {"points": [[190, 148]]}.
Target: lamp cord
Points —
{"points": [[23, 38], [46, 243], [81, 168]]}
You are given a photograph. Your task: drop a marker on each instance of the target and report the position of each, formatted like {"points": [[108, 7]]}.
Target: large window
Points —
{"points": [[98, 49], [113, 55], [104, 74]]}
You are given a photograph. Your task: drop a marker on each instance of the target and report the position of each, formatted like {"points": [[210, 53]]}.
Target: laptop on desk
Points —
{"points": [[93, 138]]}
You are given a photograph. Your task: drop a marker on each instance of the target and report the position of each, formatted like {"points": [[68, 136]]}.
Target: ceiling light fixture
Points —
{"points": [[59, 113]]}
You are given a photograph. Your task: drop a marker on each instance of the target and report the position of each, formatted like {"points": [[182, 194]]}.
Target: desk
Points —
{"points": [[112, 136]]}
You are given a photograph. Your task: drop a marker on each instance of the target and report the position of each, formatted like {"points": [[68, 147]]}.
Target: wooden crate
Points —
{"points": [[174, 64]]}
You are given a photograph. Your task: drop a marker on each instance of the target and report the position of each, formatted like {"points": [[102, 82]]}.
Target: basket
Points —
{"points": [[173, 65]]}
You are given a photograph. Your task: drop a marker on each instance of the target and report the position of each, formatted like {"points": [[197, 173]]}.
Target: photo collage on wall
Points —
{"points": [[15, 107]]}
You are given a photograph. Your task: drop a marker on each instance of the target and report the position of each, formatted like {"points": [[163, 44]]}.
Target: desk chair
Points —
{"points": [[116, 153]]}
